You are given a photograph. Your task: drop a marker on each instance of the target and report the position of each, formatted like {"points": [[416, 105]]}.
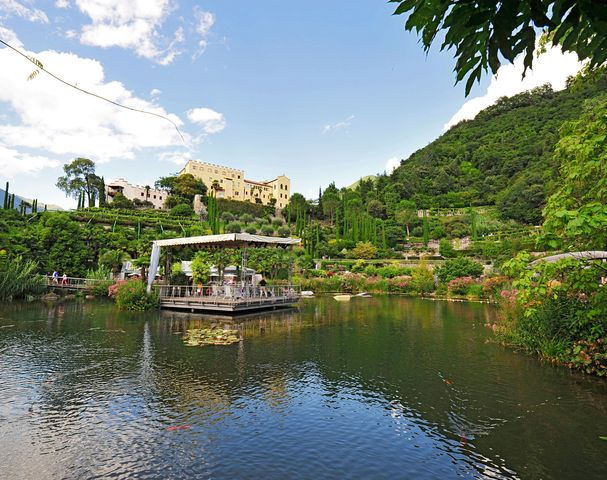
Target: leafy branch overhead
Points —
{"points": [[484, 32]]}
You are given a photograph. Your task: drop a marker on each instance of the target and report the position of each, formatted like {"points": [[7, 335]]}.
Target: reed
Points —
{"points": [[18, 278]]}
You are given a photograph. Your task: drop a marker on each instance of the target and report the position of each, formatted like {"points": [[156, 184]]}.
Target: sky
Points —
{"points": [[319, 91]]}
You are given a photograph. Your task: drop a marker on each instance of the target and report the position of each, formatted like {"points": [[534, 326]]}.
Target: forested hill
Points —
{"points": [[503, 156]]}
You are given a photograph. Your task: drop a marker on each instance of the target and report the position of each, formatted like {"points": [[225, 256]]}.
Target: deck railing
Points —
{"points": [[71, 282], [241, 294]]}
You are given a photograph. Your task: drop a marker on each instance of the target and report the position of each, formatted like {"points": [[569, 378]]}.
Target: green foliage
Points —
{"points": [[120, 201], [132, 295], [445, 248], [113, 259], [267, 230], [484, 31], [182, 210], [80, 180], [365, 250], [283, 231], [18, 278], [99, 281], [458, 267], [233, 227], [185, 186], [422, 279], [576, 214]]}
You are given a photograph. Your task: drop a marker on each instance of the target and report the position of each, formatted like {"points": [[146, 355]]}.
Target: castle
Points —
{"points": [[230, 183]]}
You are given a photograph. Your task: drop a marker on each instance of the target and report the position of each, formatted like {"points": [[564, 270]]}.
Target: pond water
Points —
{"points": [[384, 387]]}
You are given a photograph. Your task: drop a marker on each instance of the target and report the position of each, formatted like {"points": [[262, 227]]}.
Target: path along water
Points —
{"points": [[373, 388]]}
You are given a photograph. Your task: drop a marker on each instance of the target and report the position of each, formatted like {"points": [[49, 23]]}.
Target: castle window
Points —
{"points": [[142, 194]]}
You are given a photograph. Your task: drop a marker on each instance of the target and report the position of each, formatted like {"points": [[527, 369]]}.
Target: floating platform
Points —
{"points": [[222, 304]]}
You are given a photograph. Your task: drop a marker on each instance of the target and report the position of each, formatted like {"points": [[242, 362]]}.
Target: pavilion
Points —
{"points": [[240, 297]]}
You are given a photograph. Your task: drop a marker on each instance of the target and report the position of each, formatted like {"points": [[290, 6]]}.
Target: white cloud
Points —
{"points": [[203, 25], [62, 4], [177, 157], [551, 67], [392, 164], [132, 25], [210, 120], [58, 122], [12, 7], [330, 128], [71, 34], [10, 37], [154, 92], [13, 162]]}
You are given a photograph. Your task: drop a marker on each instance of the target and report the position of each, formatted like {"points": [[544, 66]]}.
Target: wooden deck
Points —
{"points": [[232, 301]]}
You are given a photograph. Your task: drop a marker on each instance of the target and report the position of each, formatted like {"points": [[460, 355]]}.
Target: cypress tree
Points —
{"points": [[102, 197], [426, 230], [6, 197], [13, 201]]}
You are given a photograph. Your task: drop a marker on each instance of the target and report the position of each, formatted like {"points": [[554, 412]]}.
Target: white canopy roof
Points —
{"points": [[228, 240]]}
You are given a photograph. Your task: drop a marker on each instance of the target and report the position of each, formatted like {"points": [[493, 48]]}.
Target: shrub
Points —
{"points": [[233, 227], [391, 271], [461, 285], [402, 284], [422, 279], [251, 229], [182, 210], [446, 249], [458, 267], [365, 250], [283, 231], [132, 295], [277, 222], [267, 230], [18, 278]]}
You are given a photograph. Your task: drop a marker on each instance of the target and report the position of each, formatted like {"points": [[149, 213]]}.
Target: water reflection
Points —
{"points": [[379, 387]]}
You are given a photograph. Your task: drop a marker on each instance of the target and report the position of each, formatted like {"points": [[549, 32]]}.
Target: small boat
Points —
{"points": [[307, 293], [363, 294], [342, 297]]}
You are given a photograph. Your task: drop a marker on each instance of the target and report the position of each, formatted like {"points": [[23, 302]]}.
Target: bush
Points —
{"points": [[277, 222], [365, 250], [461, 285], [233, 227], [458, 267], [422, 279], [267, 230], [446, 249], [182, 210], [251, 230], [18, 278], [132, 295], [283, 231]]}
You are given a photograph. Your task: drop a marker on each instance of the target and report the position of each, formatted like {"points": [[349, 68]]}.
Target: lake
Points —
{"points": [[383, 387]]}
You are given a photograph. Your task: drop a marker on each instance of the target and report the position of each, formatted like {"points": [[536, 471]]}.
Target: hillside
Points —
{"points": [[19, 199], [501, 157]]}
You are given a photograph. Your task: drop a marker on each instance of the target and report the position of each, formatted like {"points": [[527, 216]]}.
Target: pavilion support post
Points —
{"points": [[154, 260], [168, 266]]}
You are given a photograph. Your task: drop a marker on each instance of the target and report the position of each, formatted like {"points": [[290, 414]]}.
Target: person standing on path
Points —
{"points": [[56, 277], [64, 280]]}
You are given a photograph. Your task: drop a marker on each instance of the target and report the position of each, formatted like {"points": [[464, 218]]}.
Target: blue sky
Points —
{"points": [[320, 91]]}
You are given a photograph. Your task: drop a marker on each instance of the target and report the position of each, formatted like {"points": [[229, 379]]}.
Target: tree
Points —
{"points": [[120, 201], [482, 31], [576, 214], [246, 218], [406, 214], [185, 186], [113, 259], [80, 178]]}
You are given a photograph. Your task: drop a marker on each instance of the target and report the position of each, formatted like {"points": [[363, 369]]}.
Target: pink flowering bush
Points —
{"points": [[460, 285]]}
